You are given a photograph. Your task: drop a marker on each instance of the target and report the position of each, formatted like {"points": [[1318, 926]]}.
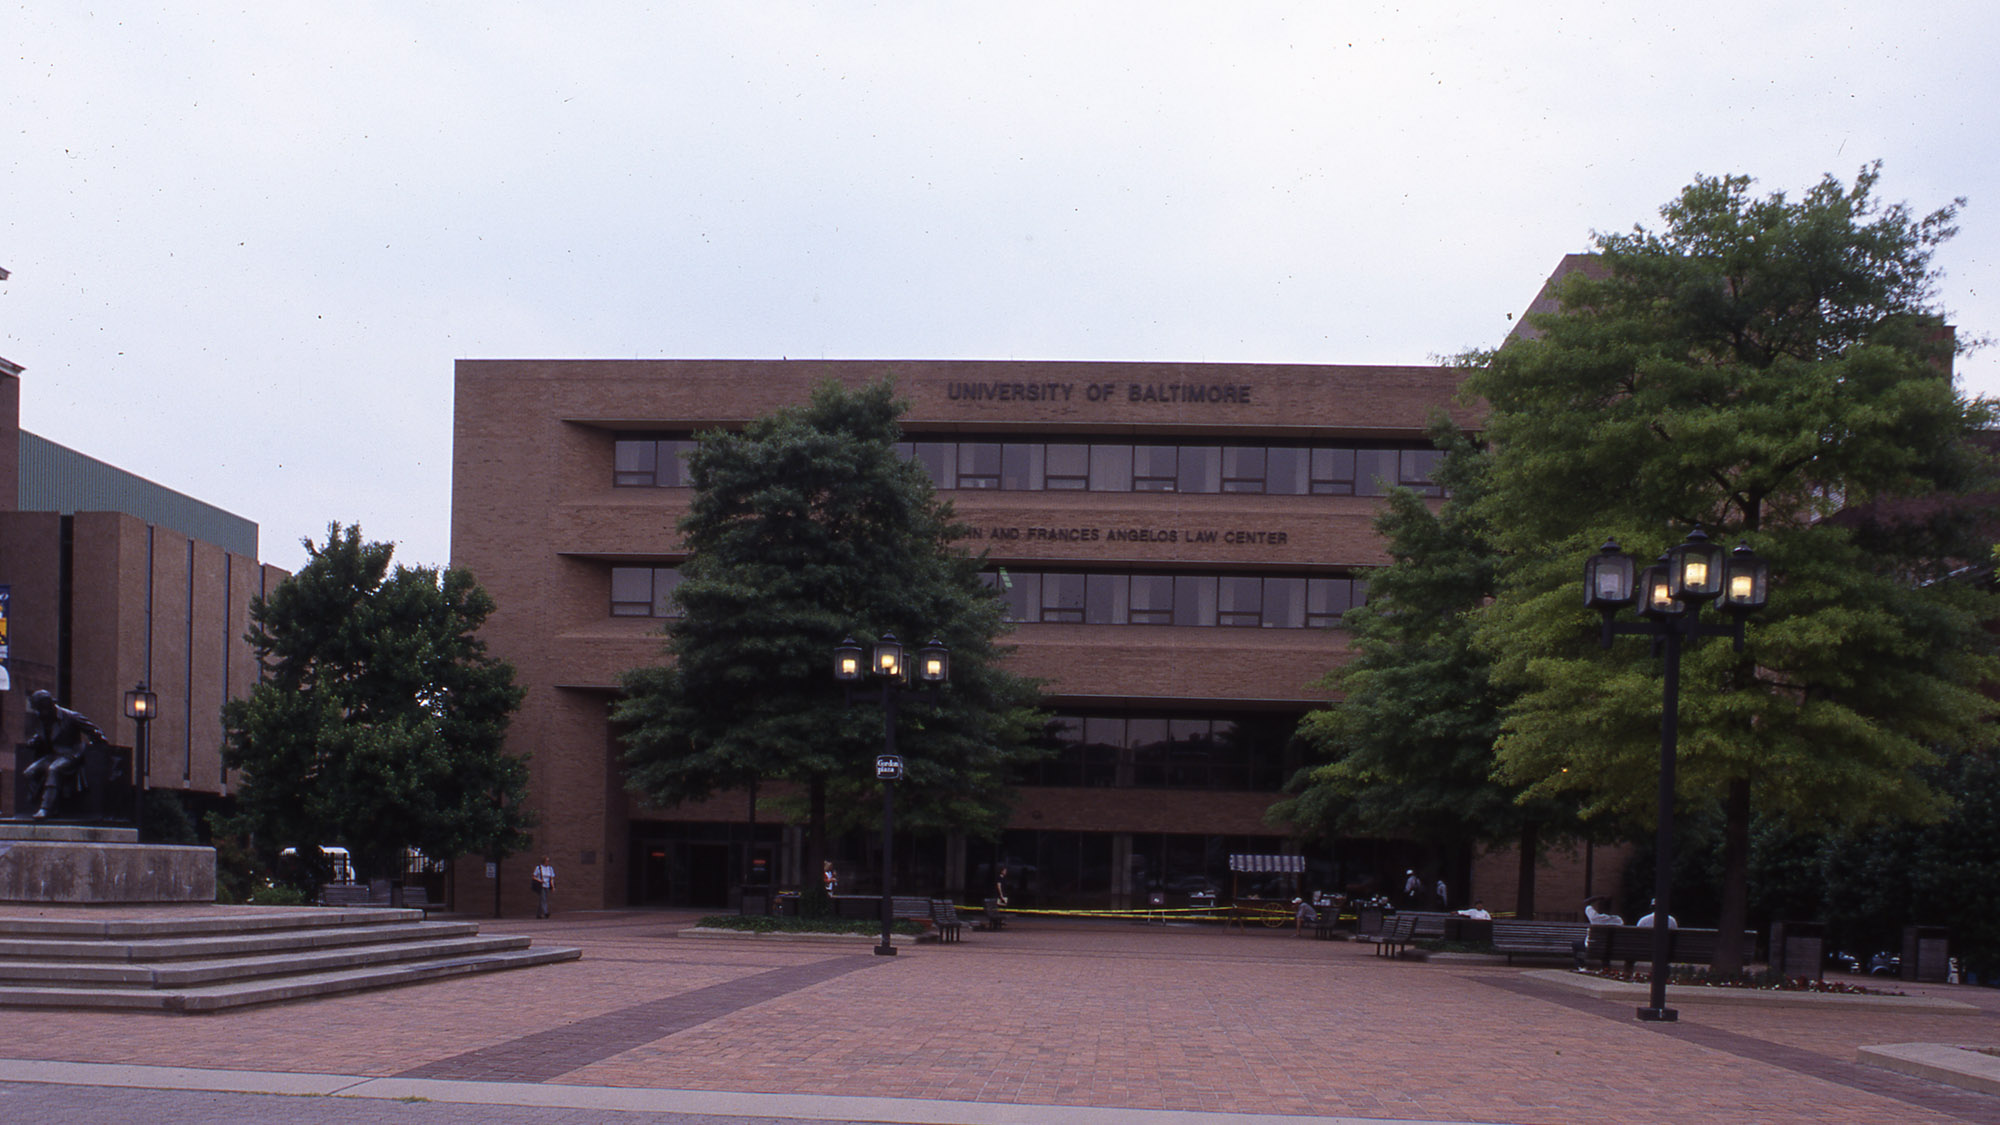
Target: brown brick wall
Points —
{"points": [[1568, 873], [197, 619]]}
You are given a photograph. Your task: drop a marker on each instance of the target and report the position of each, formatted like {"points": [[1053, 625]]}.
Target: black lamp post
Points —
{"points": [[1670, 594], [933, 669], [140, 706]]}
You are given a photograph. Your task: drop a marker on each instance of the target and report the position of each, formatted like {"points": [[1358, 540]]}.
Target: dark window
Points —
{"points": [[940, 460], [1243, 468], [1375, 471], [1021, 594], [1153, 468], [1111, 468], [1332, 472], [1326, 600], [1147, 737], [1067, 467], [1104, 602], [631, 591], [1021, 466], [650, 462], [1284, 603], [633, 462], [1286, 471], [1416, 469], [1240, 601], [1152, 599], [1194, 600], [1200, 469], [1063, 597], [979, 464], [644, 591]]}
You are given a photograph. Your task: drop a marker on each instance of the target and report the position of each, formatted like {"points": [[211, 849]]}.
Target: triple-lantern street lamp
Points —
{"points": [[1669, 595], [887, 665]]}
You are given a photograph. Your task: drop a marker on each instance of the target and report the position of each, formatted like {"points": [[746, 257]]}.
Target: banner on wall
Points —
{"points": [[5, 680]]}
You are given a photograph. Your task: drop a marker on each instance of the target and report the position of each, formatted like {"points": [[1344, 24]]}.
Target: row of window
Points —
{"points": [[1241, 601], [1132, 751], [1230, 600], [1037, 466]]}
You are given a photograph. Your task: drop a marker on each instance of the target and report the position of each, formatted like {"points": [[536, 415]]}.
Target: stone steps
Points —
{"points": [[219, 958]]}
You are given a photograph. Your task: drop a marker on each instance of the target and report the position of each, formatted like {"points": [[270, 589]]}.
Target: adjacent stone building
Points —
{"points": [[109, 581]]}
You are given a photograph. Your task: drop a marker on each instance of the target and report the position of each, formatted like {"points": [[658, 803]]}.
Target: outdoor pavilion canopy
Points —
{"points": [[1279, 864]]}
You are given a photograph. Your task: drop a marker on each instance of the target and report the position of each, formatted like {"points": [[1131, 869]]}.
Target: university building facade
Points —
{"points": [[1175, 544]]}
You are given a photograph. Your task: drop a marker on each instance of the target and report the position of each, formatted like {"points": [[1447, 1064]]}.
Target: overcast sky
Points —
{"points": [[248, 240]]}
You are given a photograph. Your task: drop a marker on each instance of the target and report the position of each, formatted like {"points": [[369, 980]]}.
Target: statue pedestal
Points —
{"points": [[81, 864]]}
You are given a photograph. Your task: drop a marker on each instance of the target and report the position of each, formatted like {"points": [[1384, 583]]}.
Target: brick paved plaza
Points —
{"points": [[1007, 1026]]}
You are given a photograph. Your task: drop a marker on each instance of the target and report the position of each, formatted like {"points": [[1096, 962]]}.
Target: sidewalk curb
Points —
{"points": [[1758, 997], [1964, 1067], [782, 938]]}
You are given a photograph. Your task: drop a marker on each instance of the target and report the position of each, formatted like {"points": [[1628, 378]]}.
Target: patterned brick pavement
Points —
{"points": [[1045, 1013]]}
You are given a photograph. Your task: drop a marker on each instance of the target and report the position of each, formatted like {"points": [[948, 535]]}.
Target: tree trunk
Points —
{"points": [[1735, 879], [1524, 885], [812, 888]]}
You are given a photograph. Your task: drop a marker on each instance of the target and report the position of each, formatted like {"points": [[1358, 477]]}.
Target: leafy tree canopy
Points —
{"points": [[1408, 748], [379, 722], [1410, 743], [1754, 366], [805, 528]]}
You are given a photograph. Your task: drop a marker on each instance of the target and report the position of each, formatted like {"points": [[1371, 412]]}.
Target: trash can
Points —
{"points": [[1368, 920], [1798, 950], [754, 899], [1925, 953]]}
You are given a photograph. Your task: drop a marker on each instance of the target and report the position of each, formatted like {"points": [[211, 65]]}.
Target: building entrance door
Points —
{"points": [[655, 886], [709, 874]]}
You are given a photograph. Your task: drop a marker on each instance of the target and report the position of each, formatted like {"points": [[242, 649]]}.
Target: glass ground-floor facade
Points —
{"points": [[699, 864]]}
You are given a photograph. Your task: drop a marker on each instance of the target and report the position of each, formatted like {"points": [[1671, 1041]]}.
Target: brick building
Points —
{"points": [[1176, 544], [109, 581]]}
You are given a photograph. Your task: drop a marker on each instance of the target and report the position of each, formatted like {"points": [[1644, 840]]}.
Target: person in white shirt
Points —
{"points": [[545, 883], [1477, 910], [1647, 918], [1596, 917]]}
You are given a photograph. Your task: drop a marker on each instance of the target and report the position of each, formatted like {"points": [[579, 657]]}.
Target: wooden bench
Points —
{"points": [[944, 916], [1630, 945], [1537, 939], [343, 894], [1430, 924], [1396, 935]]}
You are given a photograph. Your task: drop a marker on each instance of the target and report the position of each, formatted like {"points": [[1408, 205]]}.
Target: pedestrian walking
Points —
{"points": [[545, 884]]}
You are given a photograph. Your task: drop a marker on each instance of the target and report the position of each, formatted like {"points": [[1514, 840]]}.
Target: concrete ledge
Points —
{"points": [[159, 920], [66, 833], [1678, 995], [1964, 1067], [51, 871]]}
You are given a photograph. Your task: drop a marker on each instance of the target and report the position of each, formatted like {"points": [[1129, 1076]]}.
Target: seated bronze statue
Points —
{"points": [[58, 736]]}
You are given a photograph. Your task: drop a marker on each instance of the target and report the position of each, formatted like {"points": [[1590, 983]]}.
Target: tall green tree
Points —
{"points": [[379, 722], [1754, 366], [1408, 748], [805, 528]]}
